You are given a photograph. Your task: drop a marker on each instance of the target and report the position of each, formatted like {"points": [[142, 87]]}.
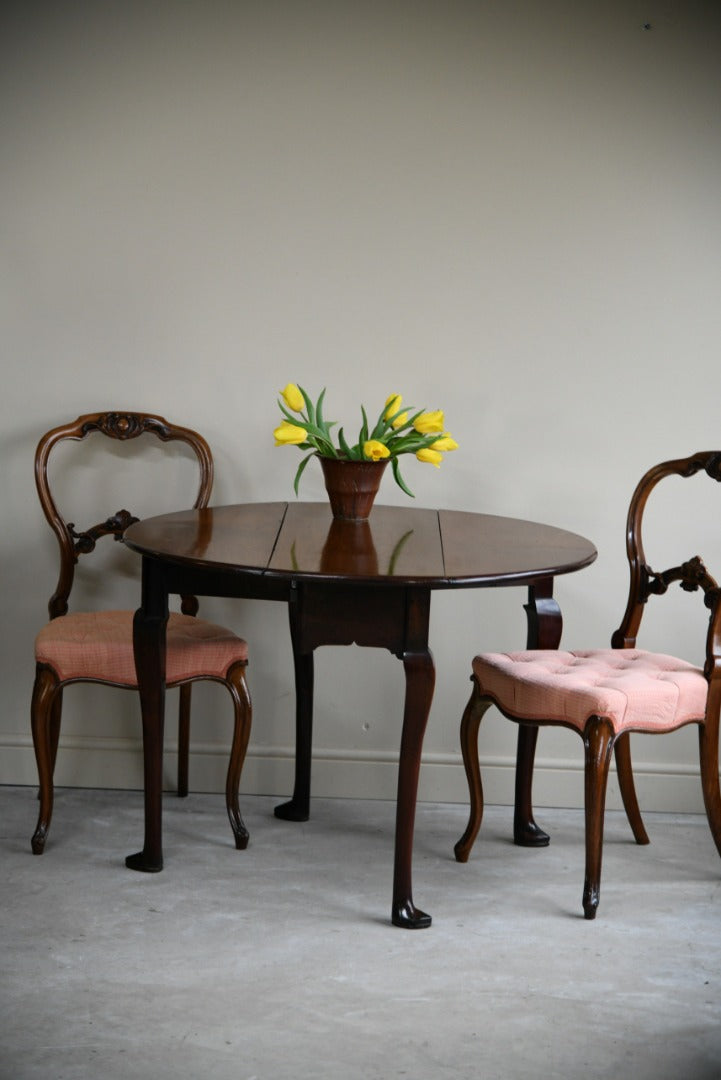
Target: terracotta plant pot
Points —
{"points": [[352, 486]]}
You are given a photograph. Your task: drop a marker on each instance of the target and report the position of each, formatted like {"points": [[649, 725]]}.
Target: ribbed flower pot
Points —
{"points": [[352, 486]]}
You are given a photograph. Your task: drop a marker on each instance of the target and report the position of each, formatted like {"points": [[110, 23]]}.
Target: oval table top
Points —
{"points": [[439, 549]]}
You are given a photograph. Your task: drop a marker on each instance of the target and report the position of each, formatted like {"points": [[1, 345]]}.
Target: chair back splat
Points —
{"points": [[644, 581], [121, 426], [606, 694]]}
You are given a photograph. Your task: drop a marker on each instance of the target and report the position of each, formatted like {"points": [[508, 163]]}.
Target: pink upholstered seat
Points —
{"points": [[99, 645], [635, 690], [605, 694]]}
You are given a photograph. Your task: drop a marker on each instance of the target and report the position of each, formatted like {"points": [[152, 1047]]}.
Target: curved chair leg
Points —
{"points": [[183, 738], [624, 770], [598, 743], [470, 723], [45, 722], [56, 713], [238, 687], [708, 739]]}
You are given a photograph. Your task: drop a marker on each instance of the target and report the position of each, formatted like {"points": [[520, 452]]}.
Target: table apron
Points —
{"points": [[396, 619], [177, 579], [322, 613]]}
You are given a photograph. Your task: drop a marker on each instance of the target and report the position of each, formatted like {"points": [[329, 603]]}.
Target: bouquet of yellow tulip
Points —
{"points": [[394, 433]]}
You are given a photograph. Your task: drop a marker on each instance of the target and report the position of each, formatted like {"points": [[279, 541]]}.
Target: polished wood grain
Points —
{"points": [[395, 545], [234, 537], [483, 549], [440, 549]]}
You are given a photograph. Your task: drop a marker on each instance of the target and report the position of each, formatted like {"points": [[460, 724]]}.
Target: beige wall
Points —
{"points": [[510, 211]]}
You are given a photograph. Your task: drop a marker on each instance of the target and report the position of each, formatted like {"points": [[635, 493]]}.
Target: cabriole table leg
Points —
{"points": [[149, 646], [545, 626], [420, 683]]}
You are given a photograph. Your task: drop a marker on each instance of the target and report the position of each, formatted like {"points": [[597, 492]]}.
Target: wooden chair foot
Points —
{"points": [[38, 841], [528, 834], [409, 917], [591, 896]]}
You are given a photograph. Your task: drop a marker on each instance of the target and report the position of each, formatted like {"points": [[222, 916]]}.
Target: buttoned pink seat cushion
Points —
{"points": [[99, 646], [635, 690]]}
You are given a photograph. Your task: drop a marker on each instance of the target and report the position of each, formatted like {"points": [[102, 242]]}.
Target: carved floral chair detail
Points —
{"points": [[606, 694], [97, 646]]}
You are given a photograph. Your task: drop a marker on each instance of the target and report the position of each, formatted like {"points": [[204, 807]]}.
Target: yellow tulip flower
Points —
{"points": [[399, 421], [432, 457], [428, 423], [375, 450], [445, 443], [393, 404], [289, 434], [293, 397]]}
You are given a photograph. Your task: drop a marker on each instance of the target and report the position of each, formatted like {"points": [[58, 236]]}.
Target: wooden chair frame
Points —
{"points": [[47, 699]]}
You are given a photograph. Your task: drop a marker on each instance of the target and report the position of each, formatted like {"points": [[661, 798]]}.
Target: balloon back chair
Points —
{"points": [[97, 646], [606, 694]]}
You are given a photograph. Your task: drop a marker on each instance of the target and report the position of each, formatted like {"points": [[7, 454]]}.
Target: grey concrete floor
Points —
{"points": [[280, 962]]}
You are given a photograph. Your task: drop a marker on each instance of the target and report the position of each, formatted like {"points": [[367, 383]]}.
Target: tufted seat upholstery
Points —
{"points": [[634, 689]]}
